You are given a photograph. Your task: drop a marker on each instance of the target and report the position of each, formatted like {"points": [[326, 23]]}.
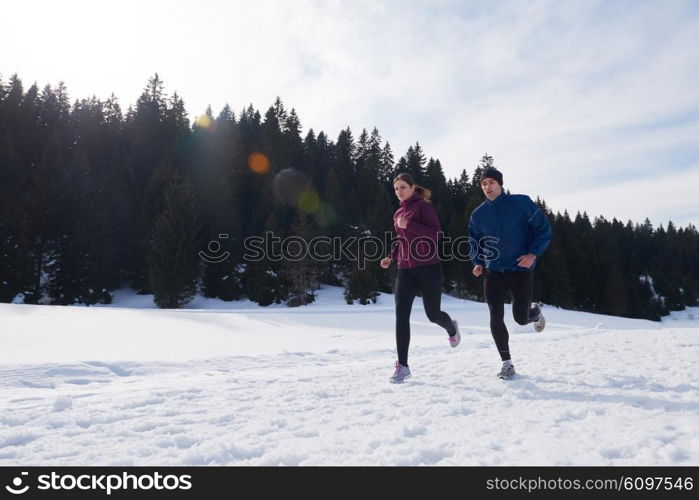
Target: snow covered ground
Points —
{"points": [[220, 383]]}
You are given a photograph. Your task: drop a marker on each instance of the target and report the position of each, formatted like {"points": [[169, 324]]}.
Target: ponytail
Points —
{"points": [[424, 192]]}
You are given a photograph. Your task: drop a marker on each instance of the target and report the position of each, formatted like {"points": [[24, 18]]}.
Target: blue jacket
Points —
{"points": [[506, 228]]}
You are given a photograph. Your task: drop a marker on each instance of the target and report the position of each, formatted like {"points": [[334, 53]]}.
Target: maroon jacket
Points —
{"points": [[417, 243]]}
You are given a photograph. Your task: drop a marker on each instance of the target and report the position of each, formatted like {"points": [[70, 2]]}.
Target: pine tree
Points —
{"points": [[263, 284], [265, 279], [149, 146], [83, 209], [580, 263], [302, 274], [14, 257], [294, 144], [174, 265], [362, 282], [330, 216], [223, 278], [17, 236], [342, 195], [387, 164], [614, 298], [146, 131], [415, 163], [552, 283], [44, 216], [79, 255], [459, 191], [437, 183], [458, 279]]}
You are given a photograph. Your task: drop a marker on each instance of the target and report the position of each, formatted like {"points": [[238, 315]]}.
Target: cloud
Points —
{"points": [[567, 96], [673, 196]]}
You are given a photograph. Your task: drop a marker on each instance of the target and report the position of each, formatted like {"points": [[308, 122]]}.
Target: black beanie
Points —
{"points": [[493, 173]]}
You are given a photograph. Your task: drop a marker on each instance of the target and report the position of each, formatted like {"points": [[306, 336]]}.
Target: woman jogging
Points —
{"points": [[419, 267]]}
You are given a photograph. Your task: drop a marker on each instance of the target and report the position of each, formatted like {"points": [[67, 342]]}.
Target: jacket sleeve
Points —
{"points": [[431, 226], [539, 229], [475, 235]]}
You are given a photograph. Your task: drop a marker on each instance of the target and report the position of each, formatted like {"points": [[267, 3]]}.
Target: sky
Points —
{"points": [[591, 105]]}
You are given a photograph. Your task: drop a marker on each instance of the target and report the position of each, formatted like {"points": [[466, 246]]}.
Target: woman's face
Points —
{"points": [[403, 189]]}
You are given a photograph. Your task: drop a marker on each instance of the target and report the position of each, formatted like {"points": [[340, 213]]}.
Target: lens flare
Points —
{"points": [[258, 163], [325, 215], [289, 185], [309, 202], [204, 121]]}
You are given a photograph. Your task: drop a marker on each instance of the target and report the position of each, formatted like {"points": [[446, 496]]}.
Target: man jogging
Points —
{"points": [[509, 233]]}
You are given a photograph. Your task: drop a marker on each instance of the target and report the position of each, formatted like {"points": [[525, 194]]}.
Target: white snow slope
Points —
{"points": [[220, 383]]}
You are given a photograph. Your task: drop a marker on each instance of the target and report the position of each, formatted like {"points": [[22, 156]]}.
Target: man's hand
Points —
{"points": [[402, 222], [526, 260], [386, 262], [477, 270]]}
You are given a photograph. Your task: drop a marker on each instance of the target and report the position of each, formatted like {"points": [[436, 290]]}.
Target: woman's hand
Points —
{"points": [[386, 262], [402, 222]]}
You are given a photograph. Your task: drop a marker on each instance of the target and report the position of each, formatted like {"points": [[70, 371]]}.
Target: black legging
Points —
{"points": [[428, 280], [495, 287]]}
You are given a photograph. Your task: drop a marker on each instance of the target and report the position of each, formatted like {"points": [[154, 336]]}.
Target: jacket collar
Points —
{"points": [[416, 196], [497, 200]]}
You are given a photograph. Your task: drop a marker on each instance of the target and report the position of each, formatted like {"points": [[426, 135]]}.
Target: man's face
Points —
{"points": [[491, 188]]}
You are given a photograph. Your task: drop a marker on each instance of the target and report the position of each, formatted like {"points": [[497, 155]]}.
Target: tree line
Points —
{"points": [[93, 199]]}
